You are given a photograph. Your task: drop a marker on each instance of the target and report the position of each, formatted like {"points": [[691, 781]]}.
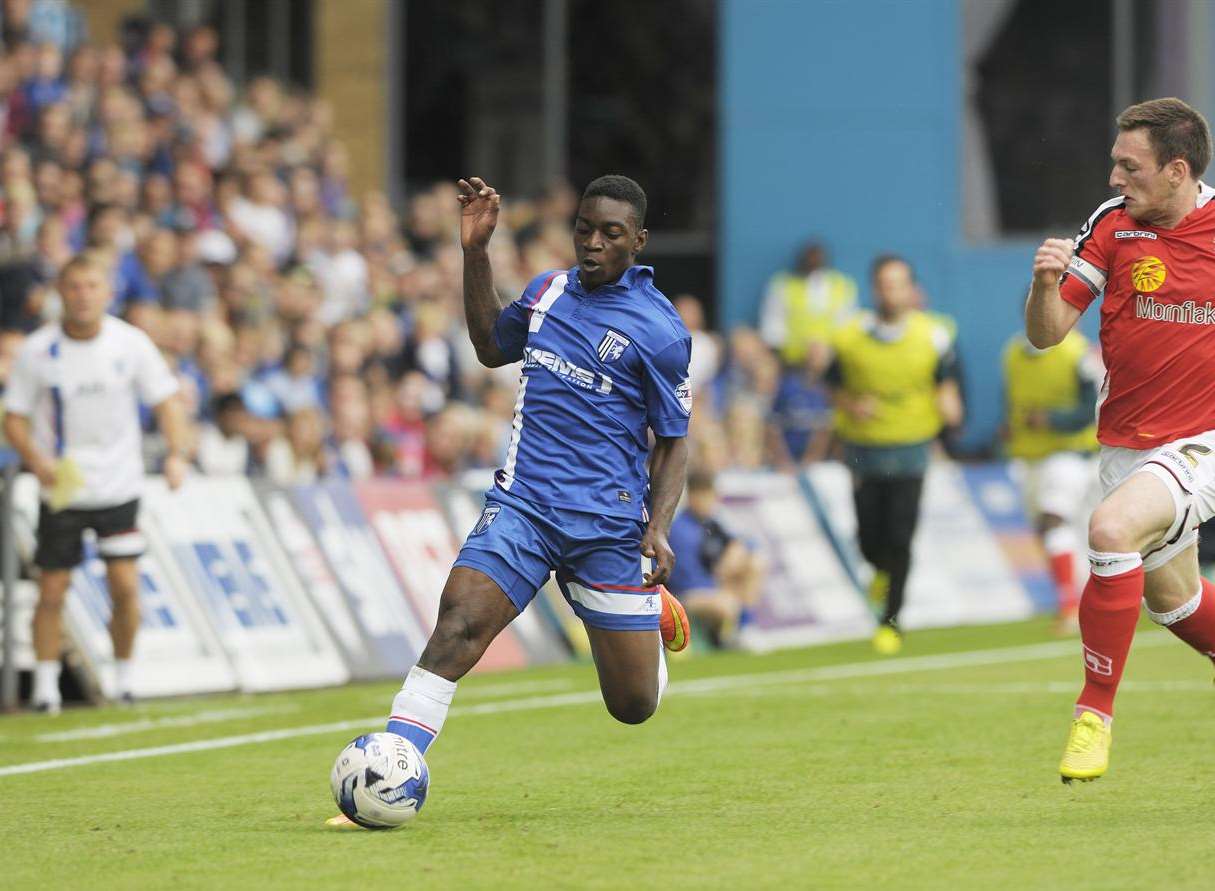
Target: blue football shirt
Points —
{"points": [[599, 368]]}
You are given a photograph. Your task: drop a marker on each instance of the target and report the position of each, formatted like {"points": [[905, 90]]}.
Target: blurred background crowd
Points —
{"points": [[315, 332]]}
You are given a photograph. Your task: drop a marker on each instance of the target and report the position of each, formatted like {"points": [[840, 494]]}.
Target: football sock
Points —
{"points": [[46, 681], [1060, 544], [122, 676], [1194, 620], [420, 707], [1109, 610]]}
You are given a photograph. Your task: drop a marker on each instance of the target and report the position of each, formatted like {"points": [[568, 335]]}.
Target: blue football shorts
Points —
{"points": [[597, 560]]}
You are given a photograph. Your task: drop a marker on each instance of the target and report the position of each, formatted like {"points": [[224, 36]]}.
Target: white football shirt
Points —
{"points": [[82, 398]]}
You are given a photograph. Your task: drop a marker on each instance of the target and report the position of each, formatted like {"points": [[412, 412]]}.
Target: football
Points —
{"points": [[380, 780]]}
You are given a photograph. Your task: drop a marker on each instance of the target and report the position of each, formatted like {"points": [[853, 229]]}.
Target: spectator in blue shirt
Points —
{"points": [[717, 577]]}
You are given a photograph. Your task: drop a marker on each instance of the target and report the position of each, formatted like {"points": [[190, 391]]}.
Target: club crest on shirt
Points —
{"points": [[612, 346], [1148, 274], [487, 516]]}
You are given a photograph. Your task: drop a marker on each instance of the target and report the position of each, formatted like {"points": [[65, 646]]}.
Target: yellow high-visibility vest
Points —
{"points": [[816, 314], [901, 373], [1047, 380]]}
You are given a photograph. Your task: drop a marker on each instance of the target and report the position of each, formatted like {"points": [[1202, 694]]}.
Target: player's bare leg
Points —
{"points": [[632, 672], [1132, 519], [122, 576], [1181, 600], [48, 614], [473, 610], [123, 579], [48, 637], [1172, 585]]}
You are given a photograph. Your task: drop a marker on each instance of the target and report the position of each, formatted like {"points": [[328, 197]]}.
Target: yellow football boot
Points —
{"points": [[1087, 755], [341, 821], [887, 640]]}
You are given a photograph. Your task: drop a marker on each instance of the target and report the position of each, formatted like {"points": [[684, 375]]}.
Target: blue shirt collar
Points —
{"points": [[634, 277]]}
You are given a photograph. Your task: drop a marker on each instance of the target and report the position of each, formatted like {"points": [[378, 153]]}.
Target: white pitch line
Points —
{"points": [[214, 716], [1043, 688], [969, 658], [513, 688]]}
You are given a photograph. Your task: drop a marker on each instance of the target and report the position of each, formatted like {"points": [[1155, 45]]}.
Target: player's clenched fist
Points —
{"points": [[1050, 262], [479, 204]]}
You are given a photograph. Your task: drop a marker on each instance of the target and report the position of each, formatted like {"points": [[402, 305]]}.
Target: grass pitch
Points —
{"points": [[820, 768]]}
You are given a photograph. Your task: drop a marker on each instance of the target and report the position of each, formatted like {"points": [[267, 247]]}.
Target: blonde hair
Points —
{"points": [[85, 260]]}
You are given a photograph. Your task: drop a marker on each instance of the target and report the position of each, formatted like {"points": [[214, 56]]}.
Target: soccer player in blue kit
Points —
{"points": [[605, 363]]}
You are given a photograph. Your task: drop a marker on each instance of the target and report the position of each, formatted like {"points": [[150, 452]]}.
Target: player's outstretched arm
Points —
{"points": [[668, 472], [1048, 317], [479, 204]]}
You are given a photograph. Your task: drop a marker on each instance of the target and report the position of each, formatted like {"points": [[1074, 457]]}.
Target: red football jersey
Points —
{"points": [[1157, 321]]}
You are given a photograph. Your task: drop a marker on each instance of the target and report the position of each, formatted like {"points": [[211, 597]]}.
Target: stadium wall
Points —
{"points": [[843, 120]]}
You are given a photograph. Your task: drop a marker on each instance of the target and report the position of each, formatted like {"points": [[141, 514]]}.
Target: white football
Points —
{"points": [[380, 780]]}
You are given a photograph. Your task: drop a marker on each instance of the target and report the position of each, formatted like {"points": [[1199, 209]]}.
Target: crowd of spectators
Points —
{"points": [[315, 332]]}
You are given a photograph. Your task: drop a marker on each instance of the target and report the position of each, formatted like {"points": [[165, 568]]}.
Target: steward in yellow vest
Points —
{"points": [[894, 383], [1050, 432], [1050, 398], [805, 305]]}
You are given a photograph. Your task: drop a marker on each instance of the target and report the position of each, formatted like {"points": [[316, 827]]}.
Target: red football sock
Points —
{"points": [[1060, 543], [1109, 610], [1194, 622], [1063, 571]]}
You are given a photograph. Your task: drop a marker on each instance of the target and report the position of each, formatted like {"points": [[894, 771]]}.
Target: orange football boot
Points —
{"points": [[673, 624]]}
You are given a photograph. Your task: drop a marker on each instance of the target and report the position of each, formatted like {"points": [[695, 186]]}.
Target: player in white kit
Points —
{"points": [[72, 413]]}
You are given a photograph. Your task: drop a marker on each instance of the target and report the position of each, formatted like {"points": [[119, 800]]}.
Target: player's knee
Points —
{"points": [[458, 637], [633, 709], [1110, 532], [51, 601]]}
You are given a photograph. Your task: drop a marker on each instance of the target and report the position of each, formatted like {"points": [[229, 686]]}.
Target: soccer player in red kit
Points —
{"points": [[1149, 253]]}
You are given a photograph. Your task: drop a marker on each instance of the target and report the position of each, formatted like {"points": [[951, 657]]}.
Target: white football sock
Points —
{"points": [[663, 677], [122, 676], [46, 681], [420, 708]]}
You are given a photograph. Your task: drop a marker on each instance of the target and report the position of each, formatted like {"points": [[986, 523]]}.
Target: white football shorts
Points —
{"points": [[1062, 484], [1187, 468]]}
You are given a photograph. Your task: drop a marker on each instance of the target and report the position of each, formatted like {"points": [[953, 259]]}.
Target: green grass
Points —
{"points": [[931, 778]]}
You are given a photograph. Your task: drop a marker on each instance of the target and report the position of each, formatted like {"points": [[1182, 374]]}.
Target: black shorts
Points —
{"points": [[61, 534]]}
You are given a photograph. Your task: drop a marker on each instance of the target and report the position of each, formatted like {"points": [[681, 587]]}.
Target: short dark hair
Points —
{"points": [[881, 261], [226, 402], [1175, 130], [621, 188]]}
